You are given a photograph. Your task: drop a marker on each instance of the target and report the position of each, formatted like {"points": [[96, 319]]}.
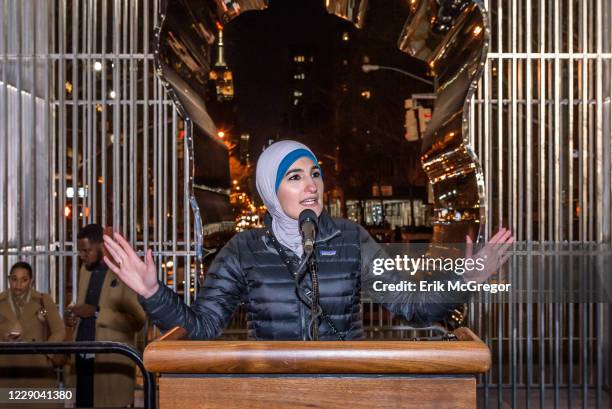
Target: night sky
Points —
{"points": [[258, 50]]}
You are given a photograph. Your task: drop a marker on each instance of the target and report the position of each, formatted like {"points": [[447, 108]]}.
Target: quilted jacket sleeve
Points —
{"points": [[217, 299], [420, 308]]}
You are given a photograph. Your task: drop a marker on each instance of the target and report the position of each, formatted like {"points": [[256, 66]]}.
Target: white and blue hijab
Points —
{"points": [[272, 165]]}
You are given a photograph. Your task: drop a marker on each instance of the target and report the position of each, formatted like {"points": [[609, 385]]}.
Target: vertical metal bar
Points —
{"points": [[557, 203], [585, 124], [570, 341], [585, 355], [133, 118], [500, 354], [542, 127], [155, 169], [513, 200], [581, 130], [61, 145], [599, 146], [33, 123], [93, 143], [91, 156], [50, 136], [541, 335], [550, 213], [599, 160], [542, 193], [122, 94], [104, 138], [520, 228], [160, 182], [19, 85], [85, 69], [570, 128], [159, 179], [549, 319], [512, 342], [156, 181], [75, 141], [5, 127], [557, 329], [528, 132], [487, 145], [145, 128], [512, 197], [609, 169], [116, 170], [500, 110], [599, 335], [530, 316], [173, 216], [164, 180], [188, 180], [557, 124], [145, 133]]}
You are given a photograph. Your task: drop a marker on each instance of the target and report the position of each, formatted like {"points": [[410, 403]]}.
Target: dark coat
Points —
{"points": [[249, 269]]}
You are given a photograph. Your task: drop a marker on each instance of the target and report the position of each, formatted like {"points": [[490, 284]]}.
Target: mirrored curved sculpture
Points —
{"points": [[182, 58], [451, 36]]}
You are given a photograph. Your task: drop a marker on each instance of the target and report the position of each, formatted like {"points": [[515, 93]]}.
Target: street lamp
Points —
{"points": [[372, 67]]}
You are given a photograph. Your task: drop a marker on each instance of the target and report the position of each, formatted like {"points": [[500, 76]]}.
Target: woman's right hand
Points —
{"points": [[140, 276]]}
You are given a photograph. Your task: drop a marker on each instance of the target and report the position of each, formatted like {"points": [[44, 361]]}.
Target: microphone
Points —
{"points": [[308, 229]]}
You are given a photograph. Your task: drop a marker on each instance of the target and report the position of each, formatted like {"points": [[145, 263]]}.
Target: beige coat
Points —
{"points": [[119, 319], [30, 370]]}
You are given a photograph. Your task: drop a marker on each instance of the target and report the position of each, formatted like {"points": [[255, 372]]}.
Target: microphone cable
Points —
{"points": [[316, 311]]}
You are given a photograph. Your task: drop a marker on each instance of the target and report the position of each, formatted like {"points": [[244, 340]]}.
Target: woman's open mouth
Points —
{"points": [[312, 202]]}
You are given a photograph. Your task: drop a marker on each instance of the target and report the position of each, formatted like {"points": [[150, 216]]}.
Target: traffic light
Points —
{"points": [[410, 122], [417, 116]]}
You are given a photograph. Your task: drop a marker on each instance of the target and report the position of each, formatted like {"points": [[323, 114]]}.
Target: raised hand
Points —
{"points": [[139, 275], [494, 254]]}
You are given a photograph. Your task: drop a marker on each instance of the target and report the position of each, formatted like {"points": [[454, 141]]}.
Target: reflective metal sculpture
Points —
{"points": [[452, 37], [182, 58]]}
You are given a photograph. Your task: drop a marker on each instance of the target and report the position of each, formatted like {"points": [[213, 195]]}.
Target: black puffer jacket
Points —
{"points": [[249, 269]]}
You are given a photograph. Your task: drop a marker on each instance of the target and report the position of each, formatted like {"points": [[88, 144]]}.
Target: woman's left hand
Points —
{"points": [[494, 254]]}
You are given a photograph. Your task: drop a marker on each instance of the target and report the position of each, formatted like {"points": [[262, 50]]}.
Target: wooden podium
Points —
{"points": [[322, 374]]}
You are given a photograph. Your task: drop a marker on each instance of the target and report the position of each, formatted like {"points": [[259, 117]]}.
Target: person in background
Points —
{"points": [[27, 316], [106, 310]]}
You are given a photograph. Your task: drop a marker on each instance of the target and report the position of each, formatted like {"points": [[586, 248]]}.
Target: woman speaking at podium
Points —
{"points": [[265, 267]]}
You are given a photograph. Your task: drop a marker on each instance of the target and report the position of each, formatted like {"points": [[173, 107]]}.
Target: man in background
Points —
{"points": [[106, 310]]}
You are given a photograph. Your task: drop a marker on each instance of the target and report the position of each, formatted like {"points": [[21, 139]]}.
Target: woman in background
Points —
{"points": [[27, 316]]}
